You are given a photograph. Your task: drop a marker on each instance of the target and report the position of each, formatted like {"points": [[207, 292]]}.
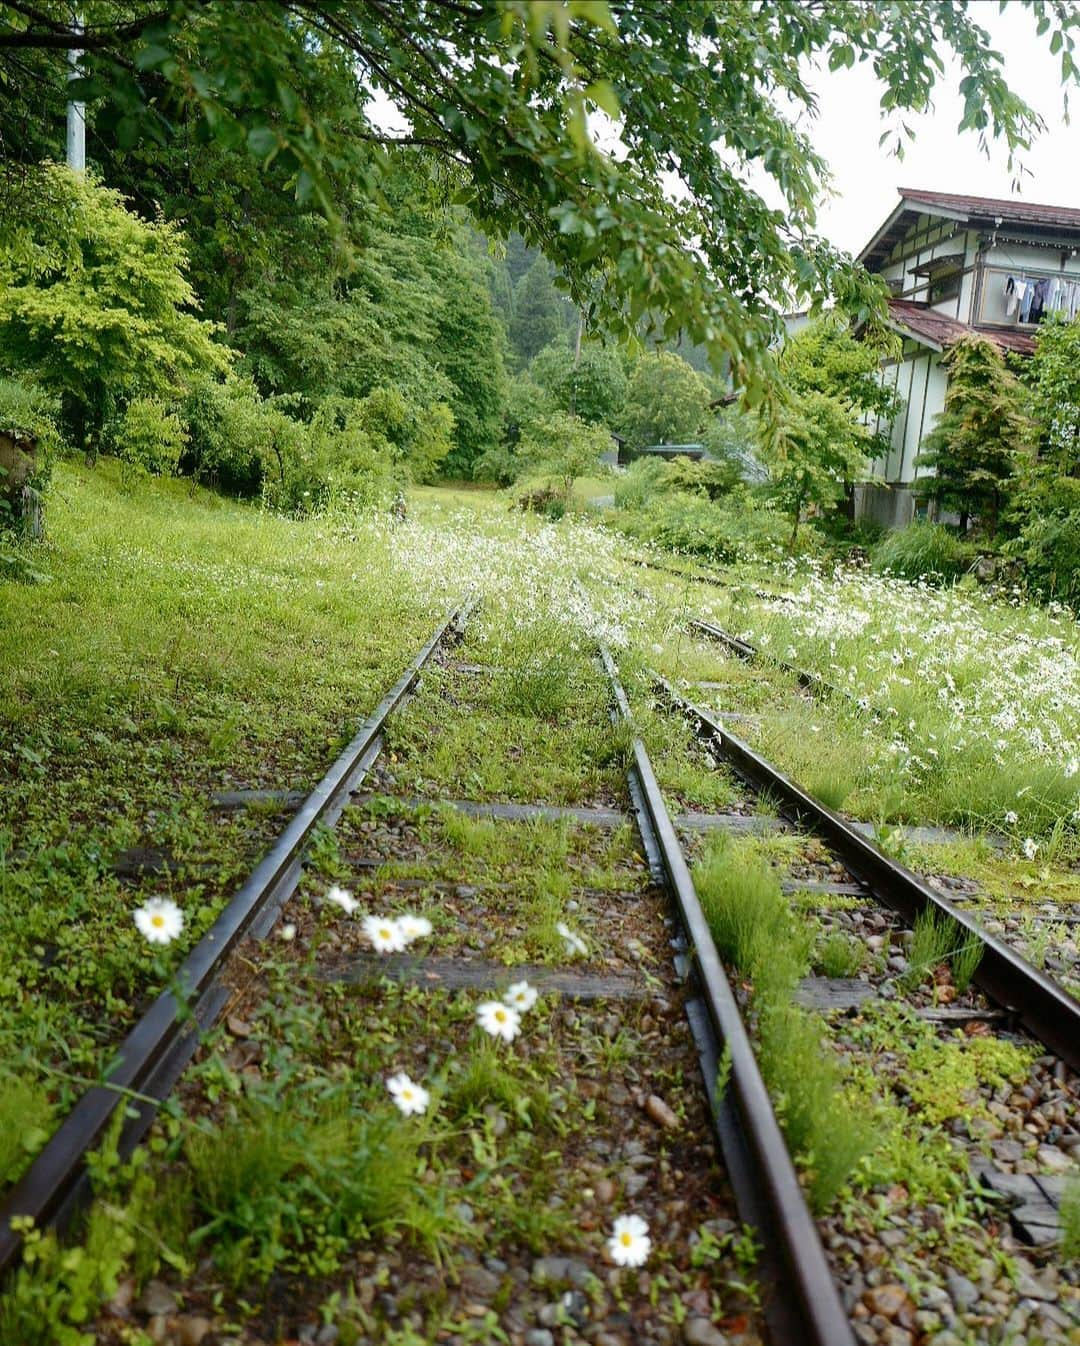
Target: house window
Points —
{"points": [[945, 287]]}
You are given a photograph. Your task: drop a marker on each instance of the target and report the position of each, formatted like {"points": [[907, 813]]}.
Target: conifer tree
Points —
{"points": [[976, 445], [537, 318]]}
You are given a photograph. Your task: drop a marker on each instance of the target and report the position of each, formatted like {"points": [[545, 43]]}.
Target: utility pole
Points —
{"points": [[76, 112]]}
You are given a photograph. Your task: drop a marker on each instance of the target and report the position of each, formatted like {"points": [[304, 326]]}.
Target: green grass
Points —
{"points": [[938, 939], [150, 671], [292, 1179], [755, 928], [839, 955], [454, 751], [1070, 1221]]}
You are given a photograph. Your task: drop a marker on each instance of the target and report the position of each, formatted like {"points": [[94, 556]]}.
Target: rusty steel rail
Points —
{"points": [[804, 1308], [1045, 1009], [811, 682], [155, 1052]]}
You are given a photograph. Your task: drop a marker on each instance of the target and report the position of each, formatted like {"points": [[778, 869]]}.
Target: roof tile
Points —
{"points": [[943, 331], [1009, 209]]}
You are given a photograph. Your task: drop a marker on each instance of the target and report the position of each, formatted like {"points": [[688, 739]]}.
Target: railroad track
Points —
{"points": [[1045, 1009], [750, 1137], [1020, 995], [811, 682], [626, 1014], [515, 892], [153, 1055]]}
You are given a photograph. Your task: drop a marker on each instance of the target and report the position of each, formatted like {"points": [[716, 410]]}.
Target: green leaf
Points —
{"points": [[151, 56], [263, 142], [602, 93]]}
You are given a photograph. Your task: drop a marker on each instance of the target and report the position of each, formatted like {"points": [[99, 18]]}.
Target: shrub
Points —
{"points": [[1049, 541], [333, 461], [707, 479], [923, 551], [148, 437], [740, 527], [228, 426], [640, 482]]}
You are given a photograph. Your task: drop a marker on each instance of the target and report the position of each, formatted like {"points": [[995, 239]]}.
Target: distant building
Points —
{"points": [[957, 265], [695, 451], [795, 322]]}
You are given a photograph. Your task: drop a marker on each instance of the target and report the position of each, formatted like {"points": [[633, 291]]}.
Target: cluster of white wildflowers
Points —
{"points": [[518, 567], [160, 921], [946, 669]]}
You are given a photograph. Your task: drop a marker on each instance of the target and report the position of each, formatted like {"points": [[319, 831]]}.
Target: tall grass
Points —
{"points": [[1070, 1220], [754, 928], [938, 939], [290, 1183]]}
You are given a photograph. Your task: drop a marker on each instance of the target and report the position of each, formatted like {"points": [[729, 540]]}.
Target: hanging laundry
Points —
{"points": [[1038, 301], [1012, 295], [1027, 294]]}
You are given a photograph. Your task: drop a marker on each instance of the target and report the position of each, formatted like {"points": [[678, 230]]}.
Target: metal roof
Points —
{"points": [[977, 211], [1009, 210], [939, 331]]}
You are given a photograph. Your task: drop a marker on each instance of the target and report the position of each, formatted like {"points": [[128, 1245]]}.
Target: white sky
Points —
{"points": [[866, 176]]}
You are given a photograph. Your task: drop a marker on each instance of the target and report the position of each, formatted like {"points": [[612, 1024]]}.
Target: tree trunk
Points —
{"points": [[19, 501]]}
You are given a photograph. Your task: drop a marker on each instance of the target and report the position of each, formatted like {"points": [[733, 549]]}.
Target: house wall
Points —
{"points": [[930, 239], [921, 381]]}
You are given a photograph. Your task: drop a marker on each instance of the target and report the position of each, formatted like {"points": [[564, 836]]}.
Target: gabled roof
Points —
{"points": [[939, 331], [1010, 210], [986, 212]]}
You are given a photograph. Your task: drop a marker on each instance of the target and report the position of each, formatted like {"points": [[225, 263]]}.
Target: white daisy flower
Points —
{"points": [[1031, 848], [501, 1021], [521, 996], [629, 1244], [385, 934], [288, 931], [411, 1098], [159, 920], [341, 897], [575, 945], [1012, 817], [414, 927]]}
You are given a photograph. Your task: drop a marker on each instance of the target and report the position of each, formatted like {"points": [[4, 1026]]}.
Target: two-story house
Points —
{"points": [[955, 265]]}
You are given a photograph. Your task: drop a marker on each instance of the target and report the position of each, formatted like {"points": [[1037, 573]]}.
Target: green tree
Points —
{"points": [[95, 303], [469, 341], [980, 436], [500, 93], [666, 402], [537, 314], [817, 449], [821, 442], [825, 358], [563, 448], [1052, 376], [1045, 506], [591, 383]]}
